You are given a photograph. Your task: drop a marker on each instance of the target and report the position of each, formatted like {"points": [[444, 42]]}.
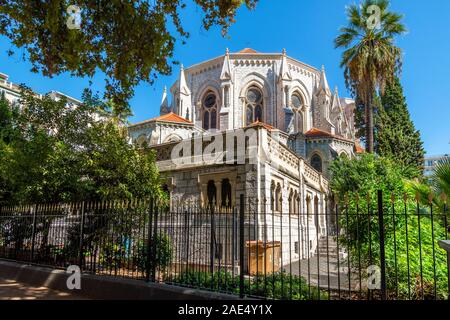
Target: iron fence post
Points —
{"points": [[241, 245], [154, 240], [186, 232], [211, 242], [149, 242], [382, 244], [33, 233], [80, 253]]}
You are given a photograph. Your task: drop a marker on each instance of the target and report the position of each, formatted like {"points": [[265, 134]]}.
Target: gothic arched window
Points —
{"points": [[212, 192], [296, 105], [291, 203], [278, 199], [209, 109], [316, 211], [272, 196], [226, 193], [296, 101], [316, 162], [254, 103]]}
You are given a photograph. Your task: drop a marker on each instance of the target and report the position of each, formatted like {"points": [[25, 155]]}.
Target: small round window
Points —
{"points": [[210, 100], [254, 95], [296, 101]]}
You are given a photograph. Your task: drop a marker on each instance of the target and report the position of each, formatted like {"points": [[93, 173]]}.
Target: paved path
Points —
{"points": [[12, 290], [325, 271]]}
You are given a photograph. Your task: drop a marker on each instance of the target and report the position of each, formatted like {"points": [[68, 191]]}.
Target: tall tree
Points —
{"points": [[395, 134], [57, 153], [130, 41], [370, 59]]}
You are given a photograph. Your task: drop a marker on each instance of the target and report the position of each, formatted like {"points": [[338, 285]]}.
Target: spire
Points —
{"points": [[183, 87], [226, 68], [285, 73], [164, 108], [336, 104], [323, 83]]}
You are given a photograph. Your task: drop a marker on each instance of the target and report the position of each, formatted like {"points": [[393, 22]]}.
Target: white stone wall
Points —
{"points": [[260, 70]]}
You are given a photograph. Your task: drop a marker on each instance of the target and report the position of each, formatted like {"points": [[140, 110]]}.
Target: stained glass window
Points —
{"points": [[254, 105], [210, 111], [316, 162]]}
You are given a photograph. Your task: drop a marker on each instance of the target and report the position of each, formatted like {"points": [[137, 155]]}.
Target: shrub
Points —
{"points": [[411, 235], [273, 286], [163, 254]]}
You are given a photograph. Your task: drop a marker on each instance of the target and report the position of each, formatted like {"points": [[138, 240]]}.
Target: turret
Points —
{"points": [[322, 104], [182, 103], [164, 107]]}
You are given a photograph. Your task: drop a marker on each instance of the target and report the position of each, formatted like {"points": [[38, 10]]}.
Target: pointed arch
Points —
{"points": [[173, 137], [317, 162], [258, 81]]}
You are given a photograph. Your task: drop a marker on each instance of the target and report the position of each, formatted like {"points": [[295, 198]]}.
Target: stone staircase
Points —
{"points": [[327, 268]]}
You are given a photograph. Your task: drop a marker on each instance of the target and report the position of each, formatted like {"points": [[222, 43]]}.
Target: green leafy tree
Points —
{"points": [[65, 153], [395, 134], [129, 41], [414, 262], [435, 190], [370, 59]]}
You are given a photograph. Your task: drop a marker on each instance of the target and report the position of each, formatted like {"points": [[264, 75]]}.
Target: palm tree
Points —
{"points": [[441, 179], [370, 60], [438, 186]]}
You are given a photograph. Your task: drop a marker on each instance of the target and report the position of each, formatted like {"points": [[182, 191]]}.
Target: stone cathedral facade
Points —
{"points": [[298, 123]]}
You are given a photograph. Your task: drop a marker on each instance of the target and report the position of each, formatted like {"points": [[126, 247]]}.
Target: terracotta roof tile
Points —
{"points": [[248, 50], [262, 124], [170, 117], [317, 133], [314, 132], [358, 148]]}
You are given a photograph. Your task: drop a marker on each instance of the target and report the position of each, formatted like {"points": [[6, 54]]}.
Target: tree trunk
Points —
{"points": [[369, 125]]}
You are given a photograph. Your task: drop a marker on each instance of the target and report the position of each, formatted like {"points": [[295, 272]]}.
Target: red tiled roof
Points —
{"points": [[170, 117], [262, 124], [314, 132], [248, 50], [317, 133], [358, 148]]}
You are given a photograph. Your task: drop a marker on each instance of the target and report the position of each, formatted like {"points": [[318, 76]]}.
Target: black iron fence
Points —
{"points": [[353, 248]]}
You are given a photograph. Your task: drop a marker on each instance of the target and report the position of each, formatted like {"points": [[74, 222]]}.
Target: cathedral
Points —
{"points": [[298, 123]]}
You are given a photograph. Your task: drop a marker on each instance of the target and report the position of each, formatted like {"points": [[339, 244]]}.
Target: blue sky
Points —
{"points": [[306, 29]]}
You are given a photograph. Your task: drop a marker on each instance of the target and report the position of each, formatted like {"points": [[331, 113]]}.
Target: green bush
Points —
{"points": [[163, 254], [273, 286], [407, 266]]}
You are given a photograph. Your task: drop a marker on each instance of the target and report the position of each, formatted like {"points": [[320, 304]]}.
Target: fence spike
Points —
{"points": [[405, 197], [430, 198], [335, 196], [444, 198], [417, 196], [392, 198]]}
